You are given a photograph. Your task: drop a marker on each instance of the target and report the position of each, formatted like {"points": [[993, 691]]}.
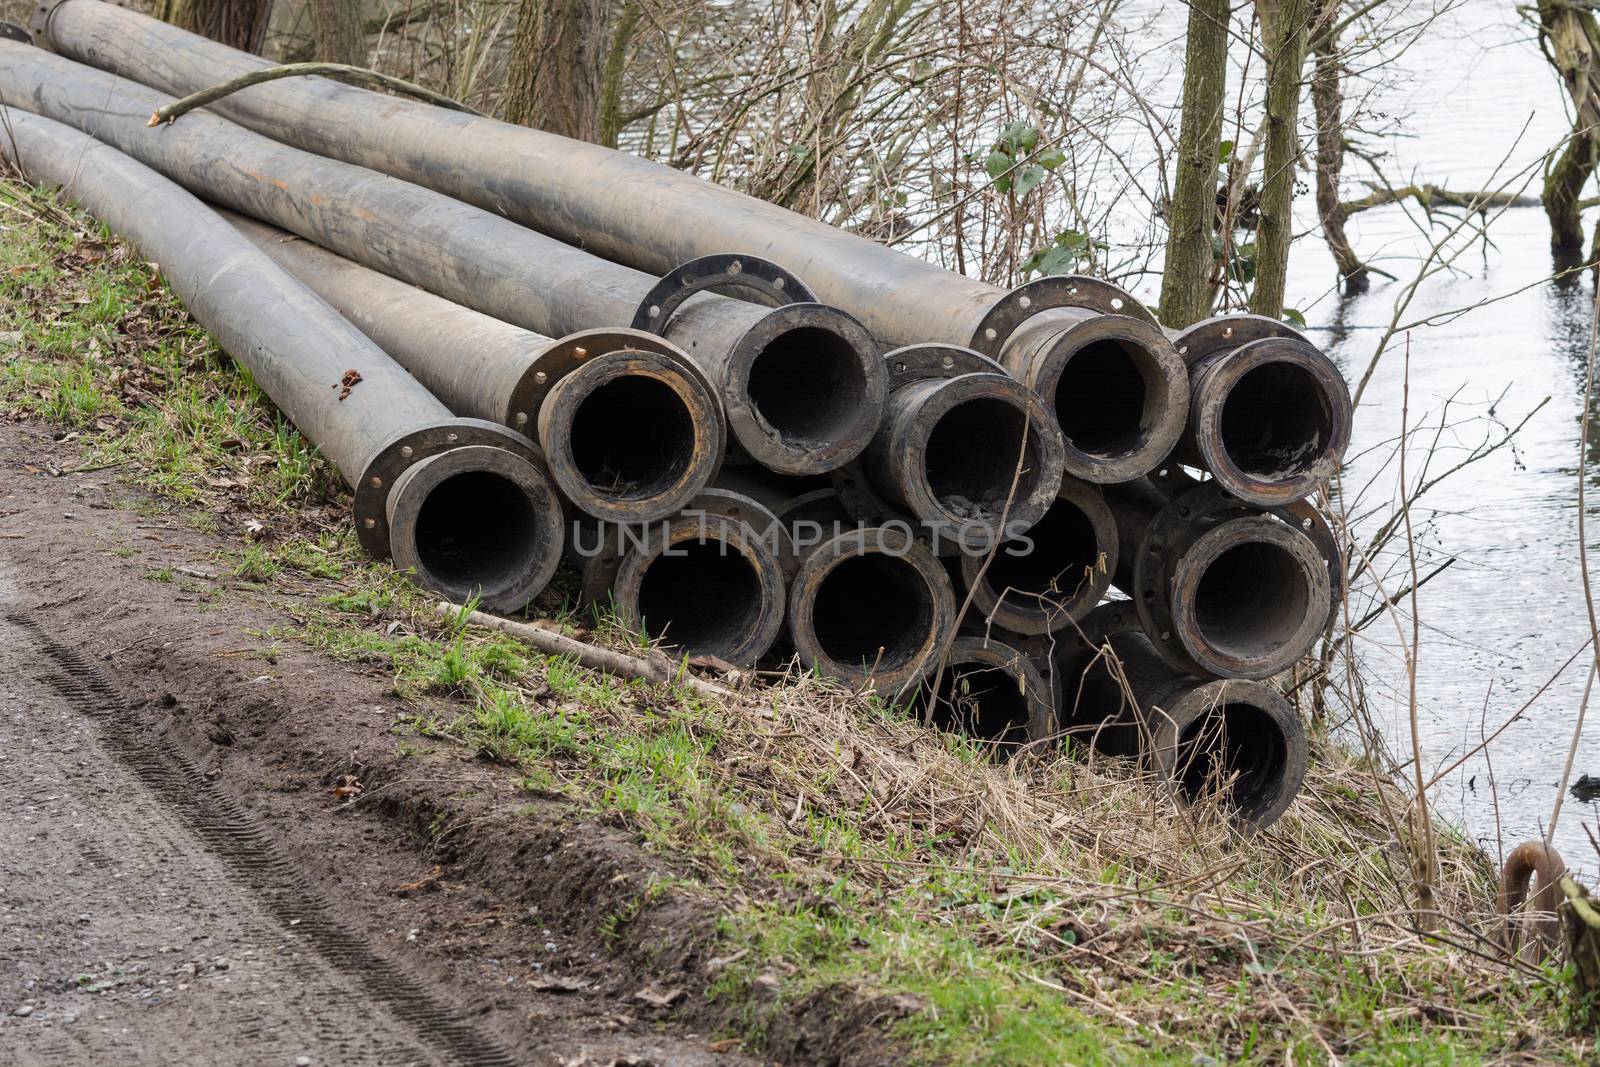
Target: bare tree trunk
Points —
{"points": [[338, 33], [558, 59], [1185, 292], [1286, 34], [616, 63], [1570, 39], [1327, 98], [239, 24]]}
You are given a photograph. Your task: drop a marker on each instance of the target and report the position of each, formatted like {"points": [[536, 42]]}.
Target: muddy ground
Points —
{"points": [[185, 877]]}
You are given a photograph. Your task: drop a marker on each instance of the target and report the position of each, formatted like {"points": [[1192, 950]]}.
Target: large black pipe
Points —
{"points": [[1269, 413], [873, 608], [962, 447], [654, 218], [802, 385], [1054, 573], [465, 503], [708, 581], [1221, 588], [630, 427], [1236, 740], [991, 692]]}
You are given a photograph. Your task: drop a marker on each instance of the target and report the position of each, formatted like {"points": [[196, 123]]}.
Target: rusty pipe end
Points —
{"points": [[804, 389], [871, 607], [476, 520], [1118, 387], [1249, 597], [1270, 419], [631, 436], [992, 692], [1055, 572], [1239, 742], [948, 450], [706, 584]]}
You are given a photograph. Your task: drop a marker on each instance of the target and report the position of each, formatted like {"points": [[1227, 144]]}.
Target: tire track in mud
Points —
{"points": [[244, 848]]}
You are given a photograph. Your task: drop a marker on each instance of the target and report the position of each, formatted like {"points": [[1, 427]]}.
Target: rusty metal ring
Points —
{"points": [[573, 351], [1221, 332], [1057, 291], [1202, 504], [709, 272], [390, 461], [915, 363]]}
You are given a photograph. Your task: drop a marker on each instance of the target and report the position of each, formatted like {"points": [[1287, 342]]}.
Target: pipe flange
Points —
{"points": [[1056, 291], [920, 362], [39, 23], [10, 31], [573, 351], [862, 501], [710, 272], [393, 459], [1221, 332]]}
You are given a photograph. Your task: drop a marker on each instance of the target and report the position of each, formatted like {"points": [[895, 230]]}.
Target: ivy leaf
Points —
{"points": [[1019, 138], [1224, 151], [1050, 158], [997, 165], [1294, 317], [1029, 177]]}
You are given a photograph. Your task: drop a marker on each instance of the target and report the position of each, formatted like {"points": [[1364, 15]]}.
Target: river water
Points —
{"points": [[1474, 102]]}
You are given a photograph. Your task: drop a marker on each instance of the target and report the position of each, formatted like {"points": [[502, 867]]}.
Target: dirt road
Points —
{"points": [[180, 883]]}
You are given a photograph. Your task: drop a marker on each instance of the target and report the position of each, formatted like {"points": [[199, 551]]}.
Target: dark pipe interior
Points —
{"points": [[1276, 420], [972, 456], [632, 438], [1236, 745], [981, 701], [873, 610], [808, 385], [1096, 710], [701, 595], [1102, 397], [476, 528], [1052, 560], [1250, 598]]}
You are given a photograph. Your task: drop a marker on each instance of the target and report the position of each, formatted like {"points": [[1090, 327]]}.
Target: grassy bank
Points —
{"points": [[1042, 912]]}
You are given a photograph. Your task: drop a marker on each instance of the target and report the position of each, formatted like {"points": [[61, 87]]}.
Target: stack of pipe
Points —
{"points": [[754, 434]]}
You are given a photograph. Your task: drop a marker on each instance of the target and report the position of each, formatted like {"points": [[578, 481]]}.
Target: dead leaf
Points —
{"points": [[349, 786], [552, 983], [659, 998], [351, 379]]}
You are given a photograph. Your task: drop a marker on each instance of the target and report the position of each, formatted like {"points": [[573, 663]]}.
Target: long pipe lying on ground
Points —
{"points": [[962, 447], [655, 218], [630, 427], [802, 385], [464, 502], [1269, 413], [1222, 588], [1238, 738]]}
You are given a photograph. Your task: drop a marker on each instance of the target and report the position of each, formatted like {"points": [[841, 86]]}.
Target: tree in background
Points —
{"points": [[560, 51], [338, 33], [238, 23], [1570, 39], [1283, 28], [1192, 217]]}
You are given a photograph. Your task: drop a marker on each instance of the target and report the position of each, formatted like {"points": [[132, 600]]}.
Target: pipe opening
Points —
{"points": [[1250, 599], [1109, 396], [808, 384], [981, 701], [476, 529], [873, 611], [971, 456], [1276, 421], [632, 438], [1053, 563], [1238, 748], [701, 595]]}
